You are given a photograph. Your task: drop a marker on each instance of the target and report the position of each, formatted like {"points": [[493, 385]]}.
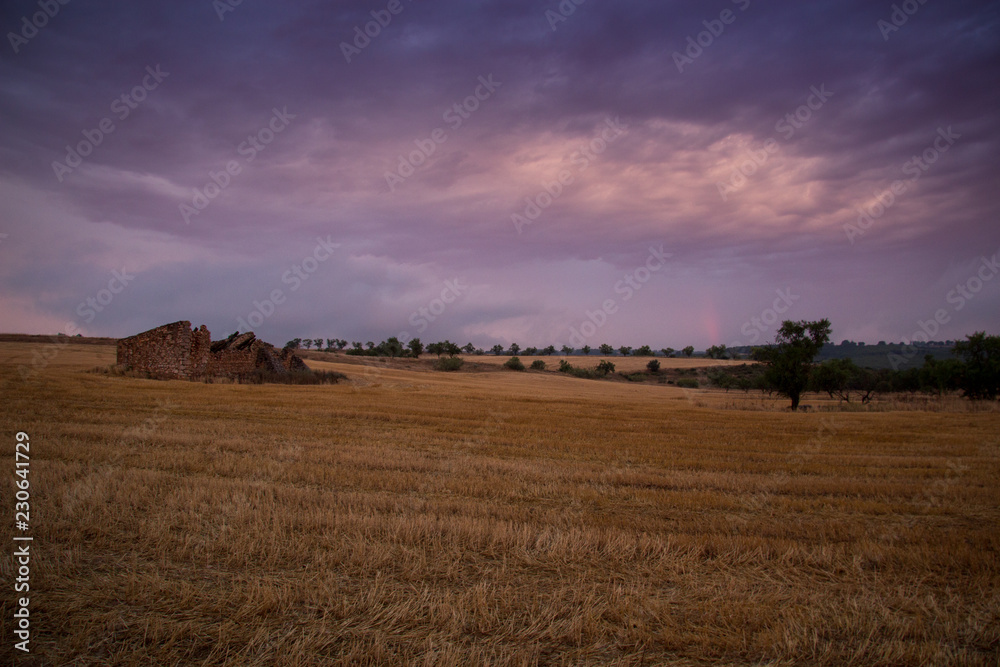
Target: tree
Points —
{"points": [[606, 349], [294, 344], [497, 349], [604, 367], [549, 351], [469, 348], [330, 342], [452, 349], [391, 348], [716, 352], [980, 355], [530, 351], [653, 366], [668, 351], [789, 360], [307, 343], [341, 344], [415, 347], [625, 350], [688, 351], [318, 342], [645, 351], [567, 350], [370, 345], [514, 349], [586, 350]]}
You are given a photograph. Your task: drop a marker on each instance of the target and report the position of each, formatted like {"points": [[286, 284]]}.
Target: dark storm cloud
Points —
{"points": [[561, 75]]}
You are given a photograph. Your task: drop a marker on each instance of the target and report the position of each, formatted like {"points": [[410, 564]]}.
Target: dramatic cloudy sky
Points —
{"points": [[647, 128]]}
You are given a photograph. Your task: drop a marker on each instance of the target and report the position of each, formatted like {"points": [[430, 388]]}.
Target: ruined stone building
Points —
{"points": [[175, 351]]}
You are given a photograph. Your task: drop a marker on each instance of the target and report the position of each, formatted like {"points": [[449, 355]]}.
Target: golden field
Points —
{"points": [[422, 518]]}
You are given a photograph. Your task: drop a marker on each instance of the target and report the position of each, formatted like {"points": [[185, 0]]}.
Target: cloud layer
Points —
{"points": [[535, 152]]}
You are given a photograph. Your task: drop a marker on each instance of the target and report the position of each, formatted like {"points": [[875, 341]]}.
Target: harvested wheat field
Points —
{"points": [[417, 517]]}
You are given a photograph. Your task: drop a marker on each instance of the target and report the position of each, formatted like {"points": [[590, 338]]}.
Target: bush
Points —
{"points": [[687, 383], [514, 364], [635, 377], [653, 366], [538, 365], [605, 367], [449, 364], [565, 366]]}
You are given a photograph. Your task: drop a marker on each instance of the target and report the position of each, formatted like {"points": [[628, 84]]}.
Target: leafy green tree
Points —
{"points": [[980, 355], [294, 344], [567, 350], [391, 348], [688, 351], [497, 349], [514, 349], [415, 347], [716, 352], [531, 351], [469, 348], [549, 351], [307, 343], [789, 360], [644, 351], [330, 342], [586, 350], [667, 351], [318, 342], [605, 367], [625, 350], [606, 349]]}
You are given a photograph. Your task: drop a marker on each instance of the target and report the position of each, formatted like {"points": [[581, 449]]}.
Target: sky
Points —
{"points": [[582, 172]]}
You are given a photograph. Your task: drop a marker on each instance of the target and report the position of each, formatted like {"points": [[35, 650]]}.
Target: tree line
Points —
{"points": [[393, 347]]}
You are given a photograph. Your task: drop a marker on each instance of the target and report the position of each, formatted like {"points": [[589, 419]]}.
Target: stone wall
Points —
{"points": [[174, 351], [163, 352]]}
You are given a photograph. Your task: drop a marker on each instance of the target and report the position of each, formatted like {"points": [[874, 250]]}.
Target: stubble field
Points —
{"points": [[415, 517]]}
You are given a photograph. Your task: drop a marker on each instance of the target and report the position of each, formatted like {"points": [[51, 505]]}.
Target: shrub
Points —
{"points": [[514, 364], [449, 364], [653, 366], [565, 366], [538, 365], [635, 377], [605, 367], [687, 383]]}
